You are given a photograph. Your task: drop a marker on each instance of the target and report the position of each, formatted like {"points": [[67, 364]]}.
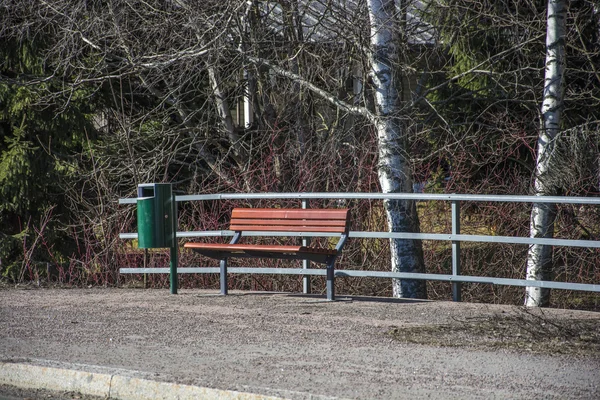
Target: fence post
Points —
{"points": [[306, 289], [174, 258], [456, 286]]}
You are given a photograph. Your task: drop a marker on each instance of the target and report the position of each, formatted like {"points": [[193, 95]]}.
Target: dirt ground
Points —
{"points": [[301, 346]]}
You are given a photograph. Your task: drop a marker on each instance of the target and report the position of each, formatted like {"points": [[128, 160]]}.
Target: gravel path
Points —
{"points": [[302, 347]]}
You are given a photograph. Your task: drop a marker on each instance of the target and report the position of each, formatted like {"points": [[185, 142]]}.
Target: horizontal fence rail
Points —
{"points": [[384, 196], [394, 235], [455, 237], [371, 274]]}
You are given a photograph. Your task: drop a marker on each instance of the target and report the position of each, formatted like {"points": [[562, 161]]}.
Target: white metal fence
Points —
{"points": [[455, 237]]}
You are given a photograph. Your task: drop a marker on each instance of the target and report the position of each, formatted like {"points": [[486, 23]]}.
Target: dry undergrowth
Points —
{"points": [[520, 331]]}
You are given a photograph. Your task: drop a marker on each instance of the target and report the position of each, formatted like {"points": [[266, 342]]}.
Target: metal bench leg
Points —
{"points": [[330, 280], [223, 266]]}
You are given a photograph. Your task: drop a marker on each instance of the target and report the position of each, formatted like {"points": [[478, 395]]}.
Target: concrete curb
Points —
{"points": [[111, 385]]}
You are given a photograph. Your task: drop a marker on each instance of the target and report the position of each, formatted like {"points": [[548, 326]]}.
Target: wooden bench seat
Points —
{"points": [[280, 220]]}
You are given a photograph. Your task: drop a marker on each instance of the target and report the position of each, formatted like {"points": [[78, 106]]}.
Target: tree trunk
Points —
{"points": [[239, 153], [539, 258], [393, 169]]}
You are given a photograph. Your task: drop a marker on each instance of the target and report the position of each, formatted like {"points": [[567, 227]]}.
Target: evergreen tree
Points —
{"points": [[37, 141]]}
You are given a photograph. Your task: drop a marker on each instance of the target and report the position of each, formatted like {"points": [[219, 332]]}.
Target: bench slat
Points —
{"points": [[277, 228], [284, 213], [287, 222], [257, 247]]}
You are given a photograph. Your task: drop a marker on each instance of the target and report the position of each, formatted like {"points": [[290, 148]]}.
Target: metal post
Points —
{"points": [[330, 280], [174, 246], [145, 266], [223, 276], [173, 270], [456, 286], [306, 289]]}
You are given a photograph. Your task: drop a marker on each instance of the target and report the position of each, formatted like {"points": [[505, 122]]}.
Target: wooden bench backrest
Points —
{"points": [[290, 220]]}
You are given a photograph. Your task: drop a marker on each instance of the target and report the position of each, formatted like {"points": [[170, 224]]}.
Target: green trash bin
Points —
{"points": [[155, 216], [157, 222]]}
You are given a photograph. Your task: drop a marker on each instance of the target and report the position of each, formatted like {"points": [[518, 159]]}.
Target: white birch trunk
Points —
{"points": [[249, 89], [221, 103], [225, 113], [393, 169], [539, 257]]}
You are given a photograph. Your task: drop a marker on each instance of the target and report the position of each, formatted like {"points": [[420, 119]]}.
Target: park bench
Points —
{"points": [[262, 220]]}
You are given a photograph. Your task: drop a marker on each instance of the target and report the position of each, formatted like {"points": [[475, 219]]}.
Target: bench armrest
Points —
{"points": [[236, 238], [341, 242]]}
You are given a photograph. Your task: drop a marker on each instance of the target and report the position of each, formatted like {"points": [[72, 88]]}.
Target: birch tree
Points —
{"points": [[539, 258], [394, 168]]}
